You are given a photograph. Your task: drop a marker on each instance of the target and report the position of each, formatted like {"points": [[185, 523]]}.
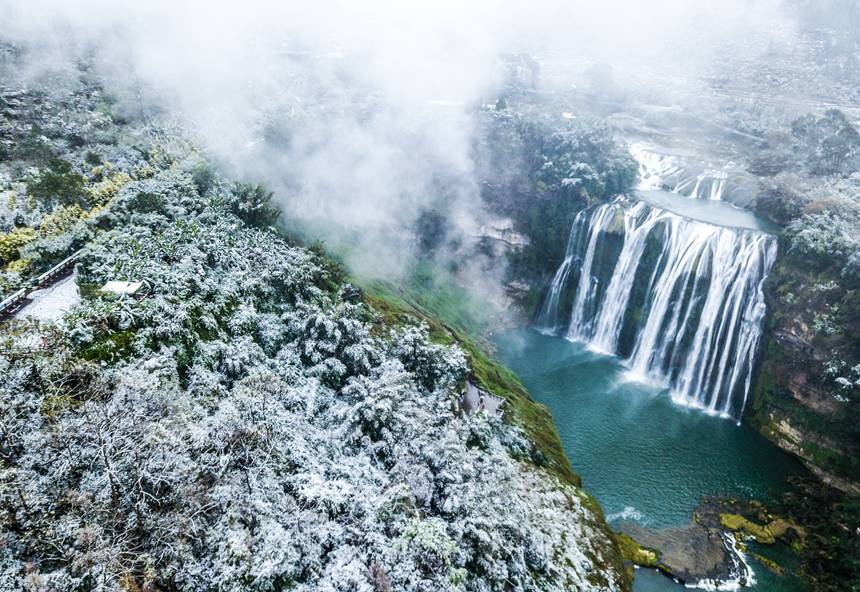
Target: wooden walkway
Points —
{"points": [[15, 300]]}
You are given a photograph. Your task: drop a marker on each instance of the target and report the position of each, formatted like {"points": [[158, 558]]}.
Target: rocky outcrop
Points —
{"points": [[690, 554], [711, 552], [797, 401]]}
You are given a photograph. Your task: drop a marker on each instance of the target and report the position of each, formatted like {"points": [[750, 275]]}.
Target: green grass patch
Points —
{"points": [[636, 553], [395, 307]]}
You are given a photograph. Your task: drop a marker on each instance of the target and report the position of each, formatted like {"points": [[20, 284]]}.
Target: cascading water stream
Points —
{"points": [[680, 300], [707, 185], [664, 172]]}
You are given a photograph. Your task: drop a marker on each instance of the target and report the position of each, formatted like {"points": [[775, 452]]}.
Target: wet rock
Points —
{"points": [[691, 553], [750, 520]]}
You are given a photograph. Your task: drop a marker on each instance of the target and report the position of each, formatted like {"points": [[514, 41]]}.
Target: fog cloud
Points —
{"points": [[359, 114]]}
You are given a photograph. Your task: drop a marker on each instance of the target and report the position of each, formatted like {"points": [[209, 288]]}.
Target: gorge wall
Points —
{"points": [[798, 402]]}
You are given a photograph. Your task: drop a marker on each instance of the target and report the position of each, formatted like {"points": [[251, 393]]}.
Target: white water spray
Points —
{"points": [[673, 174], [681, 300]]}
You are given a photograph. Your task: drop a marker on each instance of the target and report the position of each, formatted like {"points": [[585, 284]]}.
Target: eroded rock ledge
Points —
{"points": [[711, 549]]}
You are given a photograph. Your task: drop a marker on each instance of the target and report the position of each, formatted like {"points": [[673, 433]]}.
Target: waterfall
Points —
{"points": [[707, 185], [679, 300], [673, 174]]}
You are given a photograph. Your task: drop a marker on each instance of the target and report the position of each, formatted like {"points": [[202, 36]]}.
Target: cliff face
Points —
{"points": [[799, 401]]}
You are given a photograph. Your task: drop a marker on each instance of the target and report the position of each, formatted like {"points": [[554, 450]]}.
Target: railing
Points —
{"points": [[11, 303]]}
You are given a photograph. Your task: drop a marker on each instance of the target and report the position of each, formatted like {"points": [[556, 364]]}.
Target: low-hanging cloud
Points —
{"points": [[359, 114]]}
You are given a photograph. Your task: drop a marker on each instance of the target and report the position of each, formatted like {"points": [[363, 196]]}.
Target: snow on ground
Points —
{"points": [[49, 304], [476, 399]]}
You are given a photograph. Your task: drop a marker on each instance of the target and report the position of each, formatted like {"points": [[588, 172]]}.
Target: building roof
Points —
{"points": [[123, 288]]}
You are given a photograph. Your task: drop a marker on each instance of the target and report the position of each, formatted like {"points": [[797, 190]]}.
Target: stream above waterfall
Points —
{"points": [[719, 213], [683, 174]]}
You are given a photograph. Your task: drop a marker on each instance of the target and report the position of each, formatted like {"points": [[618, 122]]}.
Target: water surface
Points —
{"points": [[644, 457], [719, 213]]}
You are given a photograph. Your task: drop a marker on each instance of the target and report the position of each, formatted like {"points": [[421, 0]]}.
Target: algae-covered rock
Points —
{"points": [[770, 564], [636, 553], [767, 534], [691, 554]]}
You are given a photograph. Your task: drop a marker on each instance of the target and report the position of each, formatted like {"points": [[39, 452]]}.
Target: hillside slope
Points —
{"points": [[244, 423]]}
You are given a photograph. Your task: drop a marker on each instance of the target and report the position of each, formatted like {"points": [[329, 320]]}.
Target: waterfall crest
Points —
{"points": [[680, 300]]}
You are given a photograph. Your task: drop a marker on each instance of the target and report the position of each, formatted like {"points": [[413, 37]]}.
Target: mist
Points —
{"points": [[360, 116]]}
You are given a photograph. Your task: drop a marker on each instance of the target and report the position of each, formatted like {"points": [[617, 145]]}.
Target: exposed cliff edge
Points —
{"points": [[798, 401]]}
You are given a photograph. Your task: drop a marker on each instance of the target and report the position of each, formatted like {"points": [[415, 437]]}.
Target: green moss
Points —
{"points": [[766, 534], [633, 553], [769, 563], [58, 180], [114, 346], [392, 311], [636, 553]]}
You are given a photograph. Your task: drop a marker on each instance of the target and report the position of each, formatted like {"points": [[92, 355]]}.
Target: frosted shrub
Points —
{"points": [[242, 429], [434, 366]]}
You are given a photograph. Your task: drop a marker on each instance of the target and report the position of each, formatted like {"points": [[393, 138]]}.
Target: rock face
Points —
{"points": [[692, 553], [798, 403]]}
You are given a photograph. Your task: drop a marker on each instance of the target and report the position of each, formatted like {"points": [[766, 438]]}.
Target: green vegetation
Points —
{"points": [[541, 175], [34, 147], [770, 564], [431, 229], [766, 534], [13, 241], [59, 183], [830, 557], [399, 307], [636, 553], [253, 204]]}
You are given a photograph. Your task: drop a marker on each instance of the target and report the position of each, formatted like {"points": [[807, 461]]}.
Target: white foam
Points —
{"points": [[743, 576], [628, 513]]}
